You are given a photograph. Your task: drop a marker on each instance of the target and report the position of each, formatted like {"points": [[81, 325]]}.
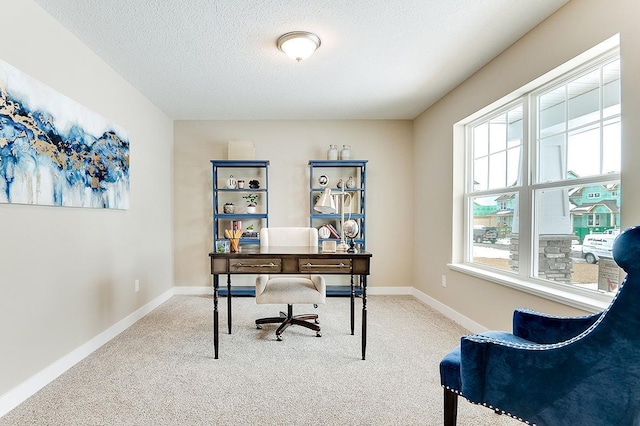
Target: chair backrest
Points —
{"points": [[288, 237]]}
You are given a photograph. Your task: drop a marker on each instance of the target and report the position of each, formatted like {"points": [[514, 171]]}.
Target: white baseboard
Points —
{"points": [[193, 290], [24, 390], [20, 393], [456, 316], [393, 291]]}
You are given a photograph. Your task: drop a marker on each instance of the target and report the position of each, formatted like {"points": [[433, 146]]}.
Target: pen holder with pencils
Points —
{"points": [[234, 238]]}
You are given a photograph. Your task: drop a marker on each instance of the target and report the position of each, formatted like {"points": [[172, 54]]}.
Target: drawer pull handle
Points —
{"points": [[267, 265], [310, 265]]}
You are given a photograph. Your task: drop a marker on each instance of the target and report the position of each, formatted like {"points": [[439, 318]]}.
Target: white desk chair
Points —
{"points": [[290, 289]]}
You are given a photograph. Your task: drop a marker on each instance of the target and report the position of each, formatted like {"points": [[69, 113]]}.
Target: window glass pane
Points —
{"points": [[584, 100], [568, 220], [611, 140], [611, 89], [584, 152], [552, 112], [480, 140], [513, 166], [480, 173], [493, 222], [551, 159], [497, 170], [514, 131], [498, 134]]}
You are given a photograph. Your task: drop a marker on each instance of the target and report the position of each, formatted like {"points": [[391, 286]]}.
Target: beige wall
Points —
{"points": [[289, 145], [67, 274], [580, 25]]}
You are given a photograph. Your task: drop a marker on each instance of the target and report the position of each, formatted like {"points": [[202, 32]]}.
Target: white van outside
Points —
{"points": [[596, 246]]}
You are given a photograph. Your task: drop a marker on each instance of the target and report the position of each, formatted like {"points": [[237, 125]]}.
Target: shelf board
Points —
{"points": [[336, 190], [241, 189], [241, 216], [337, 163], [337, 216], [240, 163]]}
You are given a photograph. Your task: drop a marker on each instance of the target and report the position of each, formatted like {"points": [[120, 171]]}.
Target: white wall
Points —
{"points": [[575, 28], [289, 145], [67, 274]]}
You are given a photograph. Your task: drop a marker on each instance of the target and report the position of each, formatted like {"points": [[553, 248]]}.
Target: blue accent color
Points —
{"points": [[556, 370], [76, 160]]}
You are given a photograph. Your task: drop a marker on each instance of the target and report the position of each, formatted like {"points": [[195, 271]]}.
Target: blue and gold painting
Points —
{"points": [[54, 151]]}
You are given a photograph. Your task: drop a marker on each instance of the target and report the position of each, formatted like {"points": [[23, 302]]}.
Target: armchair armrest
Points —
{"points": [[497, 365], [319, 283], [542, 328], [261, 283]]}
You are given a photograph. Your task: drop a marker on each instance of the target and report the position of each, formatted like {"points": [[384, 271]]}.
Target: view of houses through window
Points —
{"points": [[550, 160]]}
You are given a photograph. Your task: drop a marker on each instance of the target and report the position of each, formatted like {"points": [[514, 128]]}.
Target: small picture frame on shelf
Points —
{"points": [[328, 246], [222, 246]]}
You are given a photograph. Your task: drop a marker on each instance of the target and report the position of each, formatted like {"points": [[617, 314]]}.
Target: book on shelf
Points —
{"points": [[333, 230]]}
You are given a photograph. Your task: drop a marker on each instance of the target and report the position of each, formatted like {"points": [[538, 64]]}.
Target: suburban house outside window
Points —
{"points": [[547, 165]]}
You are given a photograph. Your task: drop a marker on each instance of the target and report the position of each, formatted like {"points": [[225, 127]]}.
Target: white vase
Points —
{"points": [[332, 152], [345, 153]]}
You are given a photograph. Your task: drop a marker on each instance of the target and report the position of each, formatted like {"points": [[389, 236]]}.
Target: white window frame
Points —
{"points": [[571, 295]]}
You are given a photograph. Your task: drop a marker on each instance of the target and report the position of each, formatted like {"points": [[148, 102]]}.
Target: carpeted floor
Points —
{"points": [[161, 371]]}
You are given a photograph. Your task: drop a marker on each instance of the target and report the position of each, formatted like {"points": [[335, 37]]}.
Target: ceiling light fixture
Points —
{"points": [[299, 44]]}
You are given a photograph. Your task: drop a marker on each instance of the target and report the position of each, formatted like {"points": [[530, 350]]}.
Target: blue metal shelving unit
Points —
{"points": [[260, 167], [354, 168]]}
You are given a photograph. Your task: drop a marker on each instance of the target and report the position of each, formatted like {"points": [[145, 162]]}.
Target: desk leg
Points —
{"points": [[215, 315], [229, 301], [363, 279], [353, 308]]}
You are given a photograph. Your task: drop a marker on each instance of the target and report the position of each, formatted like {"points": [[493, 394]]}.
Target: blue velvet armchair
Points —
{"points": [[554, 370]]}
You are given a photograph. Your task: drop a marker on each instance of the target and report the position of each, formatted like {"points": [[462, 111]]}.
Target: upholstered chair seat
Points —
{"points": [[290, 289]]}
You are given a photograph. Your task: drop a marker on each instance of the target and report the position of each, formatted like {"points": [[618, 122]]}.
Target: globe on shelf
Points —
{"points": [[351, 229]]}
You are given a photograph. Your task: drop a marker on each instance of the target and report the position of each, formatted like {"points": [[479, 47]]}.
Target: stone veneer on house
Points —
{"points": [[554, 256]]}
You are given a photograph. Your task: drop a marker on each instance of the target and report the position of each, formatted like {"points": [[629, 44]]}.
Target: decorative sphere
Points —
{"points": [[350, 228]]}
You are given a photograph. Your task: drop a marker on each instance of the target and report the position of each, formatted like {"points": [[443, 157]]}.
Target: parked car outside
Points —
{"points": [[482, 234], [596, 246]]}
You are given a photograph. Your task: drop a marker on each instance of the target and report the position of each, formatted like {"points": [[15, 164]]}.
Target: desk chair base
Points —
{"points": [[289, 319]]}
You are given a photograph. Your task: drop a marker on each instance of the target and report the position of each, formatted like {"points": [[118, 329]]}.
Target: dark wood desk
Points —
{"points": [[289, 260]]}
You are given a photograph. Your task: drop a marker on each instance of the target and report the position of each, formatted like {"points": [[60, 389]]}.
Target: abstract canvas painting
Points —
{"points": [[54, 151]]}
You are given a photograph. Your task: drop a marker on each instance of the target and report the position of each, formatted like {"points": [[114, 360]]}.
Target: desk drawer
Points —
{"points": [[256, 266], [325, 266]]}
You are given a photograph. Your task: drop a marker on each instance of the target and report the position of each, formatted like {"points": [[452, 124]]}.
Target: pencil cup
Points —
{"points": [[234, 244]]}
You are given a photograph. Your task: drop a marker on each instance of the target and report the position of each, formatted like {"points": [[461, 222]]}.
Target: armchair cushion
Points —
{"points": [[450, 366]]}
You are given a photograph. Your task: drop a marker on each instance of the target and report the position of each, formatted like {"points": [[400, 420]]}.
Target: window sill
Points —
{"points": [[577, 298]]}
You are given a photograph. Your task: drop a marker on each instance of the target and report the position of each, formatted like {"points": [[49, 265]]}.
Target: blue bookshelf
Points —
{"points": [[246, 170]]}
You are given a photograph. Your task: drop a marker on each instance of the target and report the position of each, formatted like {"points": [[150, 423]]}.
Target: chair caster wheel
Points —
{"points": [[259, 326], [279, 338], [318, 334]]}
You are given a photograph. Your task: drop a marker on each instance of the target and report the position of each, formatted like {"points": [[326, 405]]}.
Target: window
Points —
{"points": [[593, 220], [544, 172]]}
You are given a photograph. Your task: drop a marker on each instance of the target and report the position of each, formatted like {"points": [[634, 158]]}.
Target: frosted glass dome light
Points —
{"points": [[299, 45]]}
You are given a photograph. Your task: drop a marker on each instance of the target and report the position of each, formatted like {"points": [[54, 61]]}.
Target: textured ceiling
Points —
{"points": [[217, 59]]}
